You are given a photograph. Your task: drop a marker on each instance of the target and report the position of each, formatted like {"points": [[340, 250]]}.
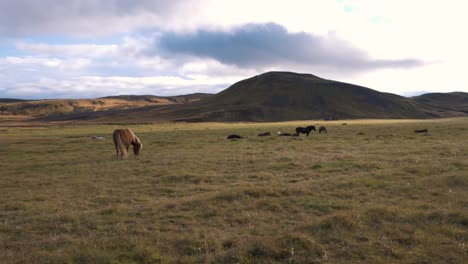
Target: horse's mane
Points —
{"points": [[135, 139]]}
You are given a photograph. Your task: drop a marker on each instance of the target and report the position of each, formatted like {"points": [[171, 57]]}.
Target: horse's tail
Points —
{"points": [[119, 145]]}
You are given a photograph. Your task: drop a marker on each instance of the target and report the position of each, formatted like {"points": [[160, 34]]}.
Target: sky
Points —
{"points": [[94, 48]]}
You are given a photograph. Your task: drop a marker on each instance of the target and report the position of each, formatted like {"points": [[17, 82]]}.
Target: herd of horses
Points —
{"points": [[123, 138], [299, 131]]}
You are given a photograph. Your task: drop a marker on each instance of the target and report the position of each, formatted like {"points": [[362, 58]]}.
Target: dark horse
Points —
{"points": [[322, 129], [421, 131], [234, 136], [305, 130], [123, 138]]}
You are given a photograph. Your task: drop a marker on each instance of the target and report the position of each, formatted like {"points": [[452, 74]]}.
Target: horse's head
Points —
{"points": [[137, 146]]}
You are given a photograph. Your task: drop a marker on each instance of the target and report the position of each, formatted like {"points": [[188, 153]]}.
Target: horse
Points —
{"points": [[421, 131], [322, 129], [264, 134], [123, 138], [284, 134], [305, 130], [234, 136]]}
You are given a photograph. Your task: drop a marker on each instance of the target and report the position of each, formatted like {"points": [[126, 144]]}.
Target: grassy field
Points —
{"points": [[366, 192]]}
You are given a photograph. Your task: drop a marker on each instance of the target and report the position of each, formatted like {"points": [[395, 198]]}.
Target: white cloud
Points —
{"points": [[97, 86], [70, 50], [29, 61], [14, 65]]}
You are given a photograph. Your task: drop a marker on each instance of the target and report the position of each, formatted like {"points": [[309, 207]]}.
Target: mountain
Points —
{"points": [[282, 96], [279, 96], [41, 108]]}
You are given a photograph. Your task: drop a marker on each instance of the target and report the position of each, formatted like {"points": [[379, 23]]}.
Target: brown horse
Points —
{"points": [[123, 138]]}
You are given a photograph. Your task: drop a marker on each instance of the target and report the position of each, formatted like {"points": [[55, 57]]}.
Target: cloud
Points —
{"points": [[168, 63], [70, 50], [28, 68], [91, 59], [97, 86], [270, 45], [92, 17]]}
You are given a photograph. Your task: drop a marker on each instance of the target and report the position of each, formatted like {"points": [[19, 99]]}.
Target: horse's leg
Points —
{"points": [[117, 151], [118, 154]]}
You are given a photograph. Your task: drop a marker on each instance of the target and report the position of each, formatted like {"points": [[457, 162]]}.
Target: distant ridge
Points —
{"points": [[175, 99], [11, 100], [443, 104], [63, 107]]}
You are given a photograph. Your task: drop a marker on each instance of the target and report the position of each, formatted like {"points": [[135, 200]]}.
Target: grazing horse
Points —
{"points": [[234, 136], [421, 131], [264, 134], [305, 130], [322, 129], [123, 138]]}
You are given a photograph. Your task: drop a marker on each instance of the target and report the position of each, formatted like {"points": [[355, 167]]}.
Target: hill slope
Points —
{"points": [[40, 108], [443, 104]]}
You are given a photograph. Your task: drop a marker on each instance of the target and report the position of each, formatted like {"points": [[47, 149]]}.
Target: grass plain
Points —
{"points": [[371, 191]]}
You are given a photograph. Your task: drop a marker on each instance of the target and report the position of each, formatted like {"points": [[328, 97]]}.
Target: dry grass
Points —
{"points": [[36, 108], [369, 191]]}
